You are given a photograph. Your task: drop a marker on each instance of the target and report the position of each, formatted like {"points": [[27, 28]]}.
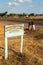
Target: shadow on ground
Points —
{"points": [[40, 36]]}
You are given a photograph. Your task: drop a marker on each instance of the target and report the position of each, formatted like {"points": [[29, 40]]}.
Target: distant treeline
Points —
{"points": [[3, 14], [13, 14]]}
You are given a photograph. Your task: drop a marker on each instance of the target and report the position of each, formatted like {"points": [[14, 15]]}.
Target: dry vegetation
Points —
{"points": [[32, 48], [16, 17]]}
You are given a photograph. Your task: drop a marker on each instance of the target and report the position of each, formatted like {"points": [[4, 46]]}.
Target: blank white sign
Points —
{"points": [[13, 30]]}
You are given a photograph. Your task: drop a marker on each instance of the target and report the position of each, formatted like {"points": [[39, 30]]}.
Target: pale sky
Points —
{"points": [[22, 6]]}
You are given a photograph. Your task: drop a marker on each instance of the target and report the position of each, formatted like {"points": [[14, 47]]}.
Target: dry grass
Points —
{"points": [[22, 18], [32, 48]]}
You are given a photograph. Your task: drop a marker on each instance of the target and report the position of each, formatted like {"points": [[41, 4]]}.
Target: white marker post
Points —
{"points": [[6, 48], [13, 30], [21, 47]]}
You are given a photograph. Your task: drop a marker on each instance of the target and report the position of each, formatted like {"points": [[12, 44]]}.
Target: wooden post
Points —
{"points": [[21, 47], [6, 48]]}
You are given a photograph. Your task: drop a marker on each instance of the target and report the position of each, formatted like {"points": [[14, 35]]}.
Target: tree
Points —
{"points": [[32, 14], [23, 14], [11, 14], [2, 14]]}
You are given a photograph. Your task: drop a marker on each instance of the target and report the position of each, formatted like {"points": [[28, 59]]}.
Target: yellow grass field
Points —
{"points": [[32, 47]]}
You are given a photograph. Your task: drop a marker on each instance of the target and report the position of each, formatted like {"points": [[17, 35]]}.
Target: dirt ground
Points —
{"points": [[32, 47]]}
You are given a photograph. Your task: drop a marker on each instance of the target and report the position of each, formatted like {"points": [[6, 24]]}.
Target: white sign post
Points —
{"points": [[21, 44], [13, 30], [6, 48]]}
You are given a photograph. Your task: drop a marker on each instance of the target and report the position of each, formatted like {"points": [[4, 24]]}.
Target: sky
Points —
{"points": [[22, 6]]}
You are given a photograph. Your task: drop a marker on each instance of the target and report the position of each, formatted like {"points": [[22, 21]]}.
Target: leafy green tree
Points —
{"points": [[11, 14], [22, 14], [32, 14], [2, 14]]}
